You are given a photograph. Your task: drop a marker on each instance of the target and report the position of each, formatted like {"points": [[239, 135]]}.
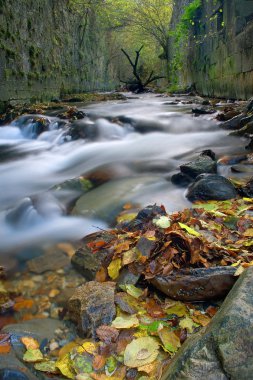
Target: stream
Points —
{"points": [[137, 144]]}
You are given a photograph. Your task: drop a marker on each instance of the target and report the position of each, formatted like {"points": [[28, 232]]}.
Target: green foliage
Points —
{"points": [[180, 36]]}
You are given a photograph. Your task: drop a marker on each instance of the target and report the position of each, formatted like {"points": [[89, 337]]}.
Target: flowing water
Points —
{"points": [[137, 144]]}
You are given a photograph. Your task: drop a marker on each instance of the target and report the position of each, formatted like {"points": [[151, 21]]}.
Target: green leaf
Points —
{"points": [[133, 291], [33, 356], [46, 366], [188, 229]]}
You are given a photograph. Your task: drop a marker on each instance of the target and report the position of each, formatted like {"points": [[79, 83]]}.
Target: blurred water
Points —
{"points": [[137, 143]]}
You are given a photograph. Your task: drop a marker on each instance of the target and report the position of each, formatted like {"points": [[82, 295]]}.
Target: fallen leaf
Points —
{"points": [[177, 308], [107, 334], [33, 356], [30, 343], [111, 365], [162, 222], [66, 349], [188, 229], [89, 347], [46, 366], [129, 256], [23, 304], [81, 364], [98, 362], [114, 268], [133, 291], [170, 341], [188, 324], [125, 322], [64, 365], [141, 351], [101, 275], [201, 319]]}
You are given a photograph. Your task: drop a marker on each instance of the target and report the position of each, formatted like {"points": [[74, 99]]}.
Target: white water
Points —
{"points": [[141, 142]]}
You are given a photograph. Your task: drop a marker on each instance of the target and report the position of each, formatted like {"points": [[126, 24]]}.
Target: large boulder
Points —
{"points": [[225, 349], [91, 306], [211, 187]]}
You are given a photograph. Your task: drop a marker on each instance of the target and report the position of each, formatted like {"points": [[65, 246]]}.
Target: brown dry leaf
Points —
{"points": [[94, 245], [211, 310], [101, 275], [154, 309], [29, 342], [67, 348], [201, 319], [121, 247], [107, 334], [98, 362], [170, 341]]}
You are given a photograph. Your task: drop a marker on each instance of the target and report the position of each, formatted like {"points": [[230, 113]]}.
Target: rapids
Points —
{"points": [[140, 142]]}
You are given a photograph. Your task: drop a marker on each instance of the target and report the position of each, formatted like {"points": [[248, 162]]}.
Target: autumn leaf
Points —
{"points": [[107, 334], [98, 362], [129, 256], [64, 365], [133, 291], [188, 229], [114, 268], [188, 324], [29, 342], [46, 366], [177, 308], [200, 318], [162, 222], [140, 352], [125, 322], [170, 341], [33, 356]]}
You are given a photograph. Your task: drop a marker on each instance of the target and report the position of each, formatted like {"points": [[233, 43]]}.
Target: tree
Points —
{"points": [[139, 83]]}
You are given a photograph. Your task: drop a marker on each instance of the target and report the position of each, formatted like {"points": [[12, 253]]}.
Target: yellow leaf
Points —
{"points": [[239, 271], [248, 232], [188, 324], [89, 347], [125, 322], [64, 365], [188, 229], [129, 256], [29, 342], [236, 264], [170, 340], [140, 352], [114, 268], [177, 308], [67, 348]]}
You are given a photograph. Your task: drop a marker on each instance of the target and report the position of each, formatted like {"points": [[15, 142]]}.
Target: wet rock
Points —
{"points": [[246, 130], [48, 262], [127, 277], [236, 122], [11, 365], [91, 306], [87, 262], [181, 179], [206, 102], [211, 187], [202, 164], [203, 110], [224, 350], [197, 284], [247, 190], [72, 113], [82, 129], [242, 169]]}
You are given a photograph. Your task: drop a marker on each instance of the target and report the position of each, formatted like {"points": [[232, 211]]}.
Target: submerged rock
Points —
{"points": [[224, 350], [202, 164], [197, 284], [203, 110], [211, 187], [91, 306]]}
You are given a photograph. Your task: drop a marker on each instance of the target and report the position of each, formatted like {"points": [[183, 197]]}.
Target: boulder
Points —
{"points": [[224, 350], [196, 284], [211, 187], [91, 306], [181, 179], [202, 164]]}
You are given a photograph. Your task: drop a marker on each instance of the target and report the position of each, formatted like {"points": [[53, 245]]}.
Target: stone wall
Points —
{"points": [[47, 48], [219, 56]]}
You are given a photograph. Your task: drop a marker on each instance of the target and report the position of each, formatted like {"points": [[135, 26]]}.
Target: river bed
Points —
{"points": [[135, 145]]}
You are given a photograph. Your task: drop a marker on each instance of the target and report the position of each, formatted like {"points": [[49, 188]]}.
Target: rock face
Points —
{"points": [[218, 57], [91, 306], [211, 187], [70, 57], [225, 349]]}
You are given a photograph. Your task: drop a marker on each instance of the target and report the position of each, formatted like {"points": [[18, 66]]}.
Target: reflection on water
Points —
{"points": [[137, 143]]}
